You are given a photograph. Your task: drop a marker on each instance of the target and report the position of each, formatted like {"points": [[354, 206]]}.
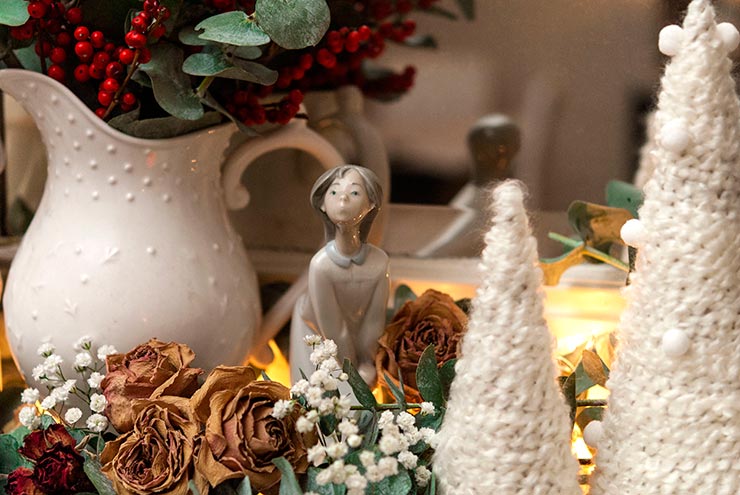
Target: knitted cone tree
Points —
{"points": [[506, 429], [673, 423]]}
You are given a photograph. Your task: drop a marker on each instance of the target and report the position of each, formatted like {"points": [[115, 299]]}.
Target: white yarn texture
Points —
{"points": [[673, 423], [506, 429]]}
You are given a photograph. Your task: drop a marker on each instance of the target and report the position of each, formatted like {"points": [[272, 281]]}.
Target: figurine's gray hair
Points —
{"points": [[372, 187]]}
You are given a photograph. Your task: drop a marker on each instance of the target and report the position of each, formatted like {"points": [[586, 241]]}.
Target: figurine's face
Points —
{"points": [[346, 201]]}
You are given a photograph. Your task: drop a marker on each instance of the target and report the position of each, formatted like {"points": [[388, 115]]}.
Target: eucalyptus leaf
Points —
{"points": [[293, 24], [244, 487], [28, 58], [233, 28], [328, 424], [397, 392], [428, 380], [100, 481], [214, 62], [583, 381], [421, 41], [432, 486], [399, 484], [46, 421], [361, 390], [327, 489], [13, 12], [288, 483], [208, 100], [446, 375], [247, 52], [624, 195], [402, 295], [170, 85], [189, 36], [372, 432], [193, 488], [20, 433], [10, 459], [163, 127]]}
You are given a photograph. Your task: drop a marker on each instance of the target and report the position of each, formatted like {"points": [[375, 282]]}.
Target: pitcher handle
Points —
{"points": [[293, 135]]}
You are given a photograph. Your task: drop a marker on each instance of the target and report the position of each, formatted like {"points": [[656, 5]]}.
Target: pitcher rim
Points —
{"points": [[111, 131]]}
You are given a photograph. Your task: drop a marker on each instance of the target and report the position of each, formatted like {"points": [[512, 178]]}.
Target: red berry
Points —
{"points": [[97, 38], [126, 108], [408, 27], [110, 84], [43, 48], [145, 55], [58, 55], [109, 47], [82, 73], [114, 70], [364, 32], [51, 26], [37, 10], [96, 72], [22, 33], [164, 13], [81, 33], [151, 6], [241, 97], [135, 40], [295, 97], [84, 50], [158, 31], [258, 115], [74, 15], [306, 61], [105, 98], [129, 99], [126, 56], [139, 23], [63, 39], [56, 72], [352, 43], [326, 58], [297, 73], [100, 112], [101, 59]]}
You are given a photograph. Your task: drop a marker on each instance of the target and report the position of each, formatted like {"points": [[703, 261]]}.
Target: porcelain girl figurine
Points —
{"points": [[348, 281]]}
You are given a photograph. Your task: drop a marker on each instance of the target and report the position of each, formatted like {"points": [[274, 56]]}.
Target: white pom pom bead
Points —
{"points": [[670, 40], [675, 343], [729, 35], [593, 433], [675, 137], [633, 233]]}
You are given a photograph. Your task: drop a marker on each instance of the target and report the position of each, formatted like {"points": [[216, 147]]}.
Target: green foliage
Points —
{"points": [[171, 86], [162, 127], [244, 487], [10, 459], [329, 489], [361, 390], [212, 61], [233, 28], [288, 483], [624, 195], [397, 392], [13, 12], [446, 375], [293, 24], [399, 484], [432, 486], [100, 481], [428, 381], [590, 371]]}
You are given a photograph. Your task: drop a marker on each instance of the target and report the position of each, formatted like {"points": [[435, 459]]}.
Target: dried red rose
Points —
{"points": [[433, 318], [156, 456], [58, 466], [149, 371], [242, 437]]}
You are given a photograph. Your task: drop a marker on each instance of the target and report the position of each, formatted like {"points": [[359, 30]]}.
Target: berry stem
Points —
{"points": [[117, 97], [203, 86]]}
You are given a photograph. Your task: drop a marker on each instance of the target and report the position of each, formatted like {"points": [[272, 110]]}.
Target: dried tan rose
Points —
{"points": [[433, 318], [149, 371], [156, 456], [242, 437]]}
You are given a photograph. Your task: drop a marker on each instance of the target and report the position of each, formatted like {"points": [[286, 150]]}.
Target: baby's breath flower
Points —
{"points": [[83, 360], [282, 408], [337, 450], [38, 372], [317, 454], [49, 402], [60, 394], [338, 472], [46, 349], [407, 459], [374, 474], [314, 396], [28, 418], [312, 340], [52, 362], [388, 466], [84, 343], [422, 475], [386, 419], [330, 364], [427, 408], [300, 387], [70, 385], [430, 437], [343, 407], [95, 379], [354, 441], [106, 350], [326, 406], [73, 415], [405, 420], [30, 396], [303, 425], [356, 482], [97, 423], [390, 444], [343, 377], [313, 416], [367, 458], [347, 428], [98, 403], [324, 477]]}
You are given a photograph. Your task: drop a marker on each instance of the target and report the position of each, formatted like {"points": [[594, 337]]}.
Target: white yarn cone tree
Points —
{"points": [[506, 430], [673, 423]]}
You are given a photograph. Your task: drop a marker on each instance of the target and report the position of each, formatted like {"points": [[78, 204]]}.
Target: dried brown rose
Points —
{"points": [[20, 482], [149, 371], [433, 318], [242, 437], [156, 456]]}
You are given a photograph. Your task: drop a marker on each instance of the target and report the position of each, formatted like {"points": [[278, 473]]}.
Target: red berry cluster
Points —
{"points": [[245, 105], [69, 44]]}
